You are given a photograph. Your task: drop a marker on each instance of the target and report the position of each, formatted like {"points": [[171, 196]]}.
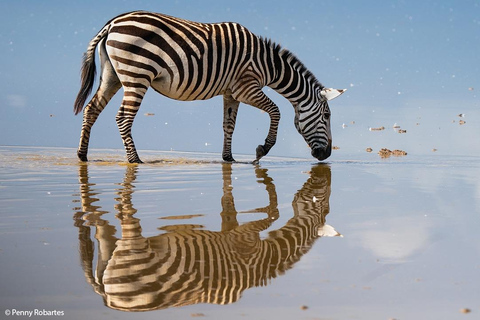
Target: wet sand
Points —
{"points": [[186, 236]]}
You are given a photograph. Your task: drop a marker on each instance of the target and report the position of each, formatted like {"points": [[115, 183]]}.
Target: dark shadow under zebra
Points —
{"points": [[185, 265]]}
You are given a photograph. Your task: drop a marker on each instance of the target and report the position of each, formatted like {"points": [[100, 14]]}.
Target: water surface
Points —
{"points": [[185, 235]]}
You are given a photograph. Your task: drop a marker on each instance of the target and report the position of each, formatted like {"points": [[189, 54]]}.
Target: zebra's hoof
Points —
{"points": [[82, 157], [260, 152], [135, 160], [228, 158]]}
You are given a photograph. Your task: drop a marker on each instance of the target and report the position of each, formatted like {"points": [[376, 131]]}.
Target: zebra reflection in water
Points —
{"points": [[187, 266]]}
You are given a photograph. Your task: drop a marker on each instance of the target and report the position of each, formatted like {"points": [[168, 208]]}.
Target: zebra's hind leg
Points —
{"points": [[109, 85], [230, 109], [132, 99], [105, 92]]}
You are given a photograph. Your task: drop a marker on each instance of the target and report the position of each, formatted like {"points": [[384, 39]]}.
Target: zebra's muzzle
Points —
{"points": [[322, 153]]}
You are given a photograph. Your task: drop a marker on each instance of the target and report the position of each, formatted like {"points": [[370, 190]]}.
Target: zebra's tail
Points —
{"points": [[88, 70]]}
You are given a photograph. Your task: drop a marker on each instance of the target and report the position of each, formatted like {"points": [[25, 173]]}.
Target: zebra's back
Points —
{"points": [[180, 59]]}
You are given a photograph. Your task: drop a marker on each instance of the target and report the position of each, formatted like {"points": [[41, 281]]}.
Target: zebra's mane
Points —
{"points": [[287, 55]]}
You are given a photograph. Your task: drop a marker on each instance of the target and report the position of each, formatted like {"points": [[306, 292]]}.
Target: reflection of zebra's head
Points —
{"points": [[187, 265], [312, 120]]}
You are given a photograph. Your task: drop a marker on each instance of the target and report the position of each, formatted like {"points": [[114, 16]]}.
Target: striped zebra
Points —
{"points": [[187, 61], [187, 265]]}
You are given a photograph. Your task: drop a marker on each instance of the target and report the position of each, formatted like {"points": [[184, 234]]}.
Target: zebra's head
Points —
{"points": [[312, 121]]}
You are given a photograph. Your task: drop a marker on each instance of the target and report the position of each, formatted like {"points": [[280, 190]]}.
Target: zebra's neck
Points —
{"points": [[292, 79]]}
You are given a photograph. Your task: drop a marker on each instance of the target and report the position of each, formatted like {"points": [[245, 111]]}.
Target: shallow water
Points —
{"points": [[185, 235]]}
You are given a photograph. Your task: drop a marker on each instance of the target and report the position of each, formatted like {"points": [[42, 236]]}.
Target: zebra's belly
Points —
{"points": [[171, 89]]}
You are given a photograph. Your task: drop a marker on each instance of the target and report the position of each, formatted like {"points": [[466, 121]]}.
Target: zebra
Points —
{"points": [[188, 265], [186, 60]]}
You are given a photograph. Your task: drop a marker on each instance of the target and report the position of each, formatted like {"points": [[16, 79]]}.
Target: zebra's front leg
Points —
{"points": [[271, 139], [124, 118], [254, 96], [230, 110]]}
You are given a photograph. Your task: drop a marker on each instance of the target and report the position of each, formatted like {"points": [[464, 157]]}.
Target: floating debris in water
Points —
{"points": [[194, 315], [149, 114], [462, 122], [399, 153], [385, 153], [376, 129], [396, 127], [304, 307], [335, 147], [434, 150], [369, 149], [465, 310], [182, 217], [462, 115]]}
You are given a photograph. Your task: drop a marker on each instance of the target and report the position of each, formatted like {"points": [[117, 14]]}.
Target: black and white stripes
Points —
{"points": [[186, 60], [187, 264]]}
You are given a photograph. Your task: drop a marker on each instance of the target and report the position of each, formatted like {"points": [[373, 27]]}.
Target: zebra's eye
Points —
{"points": [[326, 115]]}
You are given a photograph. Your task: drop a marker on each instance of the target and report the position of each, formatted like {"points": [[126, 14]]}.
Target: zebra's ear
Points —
{"points": [[330, 93]]}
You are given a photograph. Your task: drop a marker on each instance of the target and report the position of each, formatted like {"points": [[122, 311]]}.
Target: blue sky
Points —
{"points": [[393, 56]]}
